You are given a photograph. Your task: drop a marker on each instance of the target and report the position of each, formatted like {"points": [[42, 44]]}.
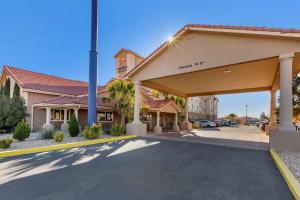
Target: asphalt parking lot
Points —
{"points": [[143, 169], [249, 137]]}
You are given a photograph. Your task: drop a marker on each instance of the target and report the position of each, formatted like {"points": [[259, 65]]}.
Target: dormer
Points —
{"points": [[125, 61]]}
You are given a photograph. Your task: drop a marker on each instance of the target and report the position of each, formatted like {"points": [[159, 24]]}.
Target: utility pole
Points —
{"points": [[93, 65], [246, 114]]}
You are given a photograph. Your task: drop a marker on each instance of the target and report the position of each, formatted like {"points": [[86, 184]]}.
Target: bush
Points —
{"points": [[48, 133], [73, 127], [93, 132], [117, 129], [195, 126], [22, 131], [5, 143], [12, 111], [59, 136]]}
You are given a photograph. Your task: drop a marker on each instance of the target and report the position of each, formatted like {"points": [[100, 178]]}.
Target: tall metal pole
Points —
{"points": [[93, 66], [246, 113]]}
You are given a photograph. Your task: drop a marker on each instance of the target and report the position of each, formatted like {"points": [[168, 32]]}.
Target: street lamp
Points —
{"points": [[93, 65]]}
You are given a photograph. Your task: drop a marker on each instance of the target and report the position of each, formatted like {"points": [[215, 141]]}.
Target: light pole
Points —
{"points": [[93, 65], [246, 114]]}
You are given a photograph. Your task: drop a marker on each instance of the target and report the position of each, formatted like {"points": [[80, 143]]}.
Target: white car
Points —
{"points": [[206, 123]]}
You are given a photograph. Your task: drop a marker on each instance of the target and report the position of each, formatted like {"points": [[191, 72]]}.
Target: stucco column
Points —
{"points": [[273, 120], [175, 128], [48, 116], [186, 110], [136, 117], [76, 113], [65, 115], [158, 128], [65, 126], [286, 95], [136, 127]]}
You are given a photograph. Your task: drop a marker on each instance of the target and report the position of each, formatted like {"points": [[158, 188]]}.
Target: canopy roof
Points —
{"points": [[209, 60]]}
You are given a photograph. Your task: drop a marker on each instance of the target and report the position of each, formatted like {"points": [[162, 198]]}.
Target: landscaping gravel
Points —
{"points": [[292, 160], [36, 140]]}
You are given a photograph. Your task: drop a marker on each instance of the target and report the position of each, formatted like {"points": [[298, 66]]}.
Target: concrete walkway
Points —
{"points": [[249, 137], [147, 169]]}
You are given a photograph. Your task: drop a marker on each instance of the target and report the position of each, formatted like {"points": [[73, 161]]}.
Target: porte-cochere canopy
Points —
{"points": [[210, 60]]}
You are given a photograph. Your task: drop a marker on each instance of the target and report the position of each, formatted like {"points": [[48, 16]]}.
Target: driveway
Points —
{"points": [[143, 169], [249, 137]]}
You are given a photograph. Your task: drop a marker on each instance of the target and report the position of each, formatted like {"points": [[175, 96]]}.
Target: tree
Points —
{"points": [[16, 91], [17, 112], [12, 111], [73, 127], [122, 92], [6, 89], [263, 117], [232, 117], [296, 98], [4, 107], [1, 90]]}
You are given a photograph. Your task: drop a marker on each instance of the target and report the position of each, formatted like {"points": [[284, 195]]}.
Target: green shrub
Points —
{"points": [[117, 129], [5, 143], [59, 136], [93, 132], [48, 132], [73, 127], [12, 111], [22, 131], [195, 126]]}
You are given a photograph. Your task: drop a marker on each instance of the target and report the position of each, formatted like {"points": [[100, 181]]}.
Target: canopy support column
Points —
{"points": [[136, 127], [158, 128], [286, 94]]}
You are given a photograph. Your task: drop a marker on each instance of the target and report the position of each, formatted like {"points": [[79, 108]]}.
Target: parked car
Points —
{"points": [[257, 124], [225, 123], [207, 124], [263, 124], [218, 123]]}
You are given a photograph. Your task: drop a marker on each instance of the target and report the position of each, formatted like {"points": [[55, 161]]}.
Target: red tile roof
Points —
{"points": [[246, 28], [63, 100], [47, 83], [78, 101], [156, 104], [229, 27]]}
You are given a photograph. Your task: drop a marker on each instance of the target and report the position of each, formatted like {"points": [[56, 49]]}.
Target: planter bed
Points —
{"points": [[36, 140], [292, 160]]}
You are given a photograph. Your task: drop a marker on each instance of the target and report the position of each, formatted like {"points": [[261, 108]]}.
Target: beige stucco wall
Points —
{"points": [[214, 50], [39, 118], [33, 98]]}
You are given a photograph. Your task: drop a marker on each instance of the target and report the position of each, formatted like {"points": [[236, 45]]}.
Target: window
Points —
{"points": [[58, 115], [104, 116], [145, 118]]}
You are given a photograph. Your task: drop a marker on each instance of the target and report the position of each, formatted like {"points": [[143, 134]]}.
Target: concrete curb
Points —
{"points": [[62, 146], [288, 176]]}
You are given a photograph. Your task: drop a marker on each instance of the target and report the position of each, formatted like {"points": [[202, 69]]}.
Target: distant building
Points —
{"points": [[203, 107]]}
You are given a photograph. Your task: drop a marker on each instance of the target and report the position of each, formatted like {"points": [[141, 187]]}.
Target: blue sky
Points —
{"points": [[52, 36]]}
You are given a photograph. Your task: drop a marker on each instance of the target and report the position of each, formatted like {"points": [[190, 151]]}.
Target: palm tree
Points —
{"points": [[122, 92]]}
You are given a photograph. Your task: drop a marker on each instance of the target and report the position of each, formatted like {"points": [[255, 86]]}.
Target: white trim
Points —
{"points": [[45, 92]]}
